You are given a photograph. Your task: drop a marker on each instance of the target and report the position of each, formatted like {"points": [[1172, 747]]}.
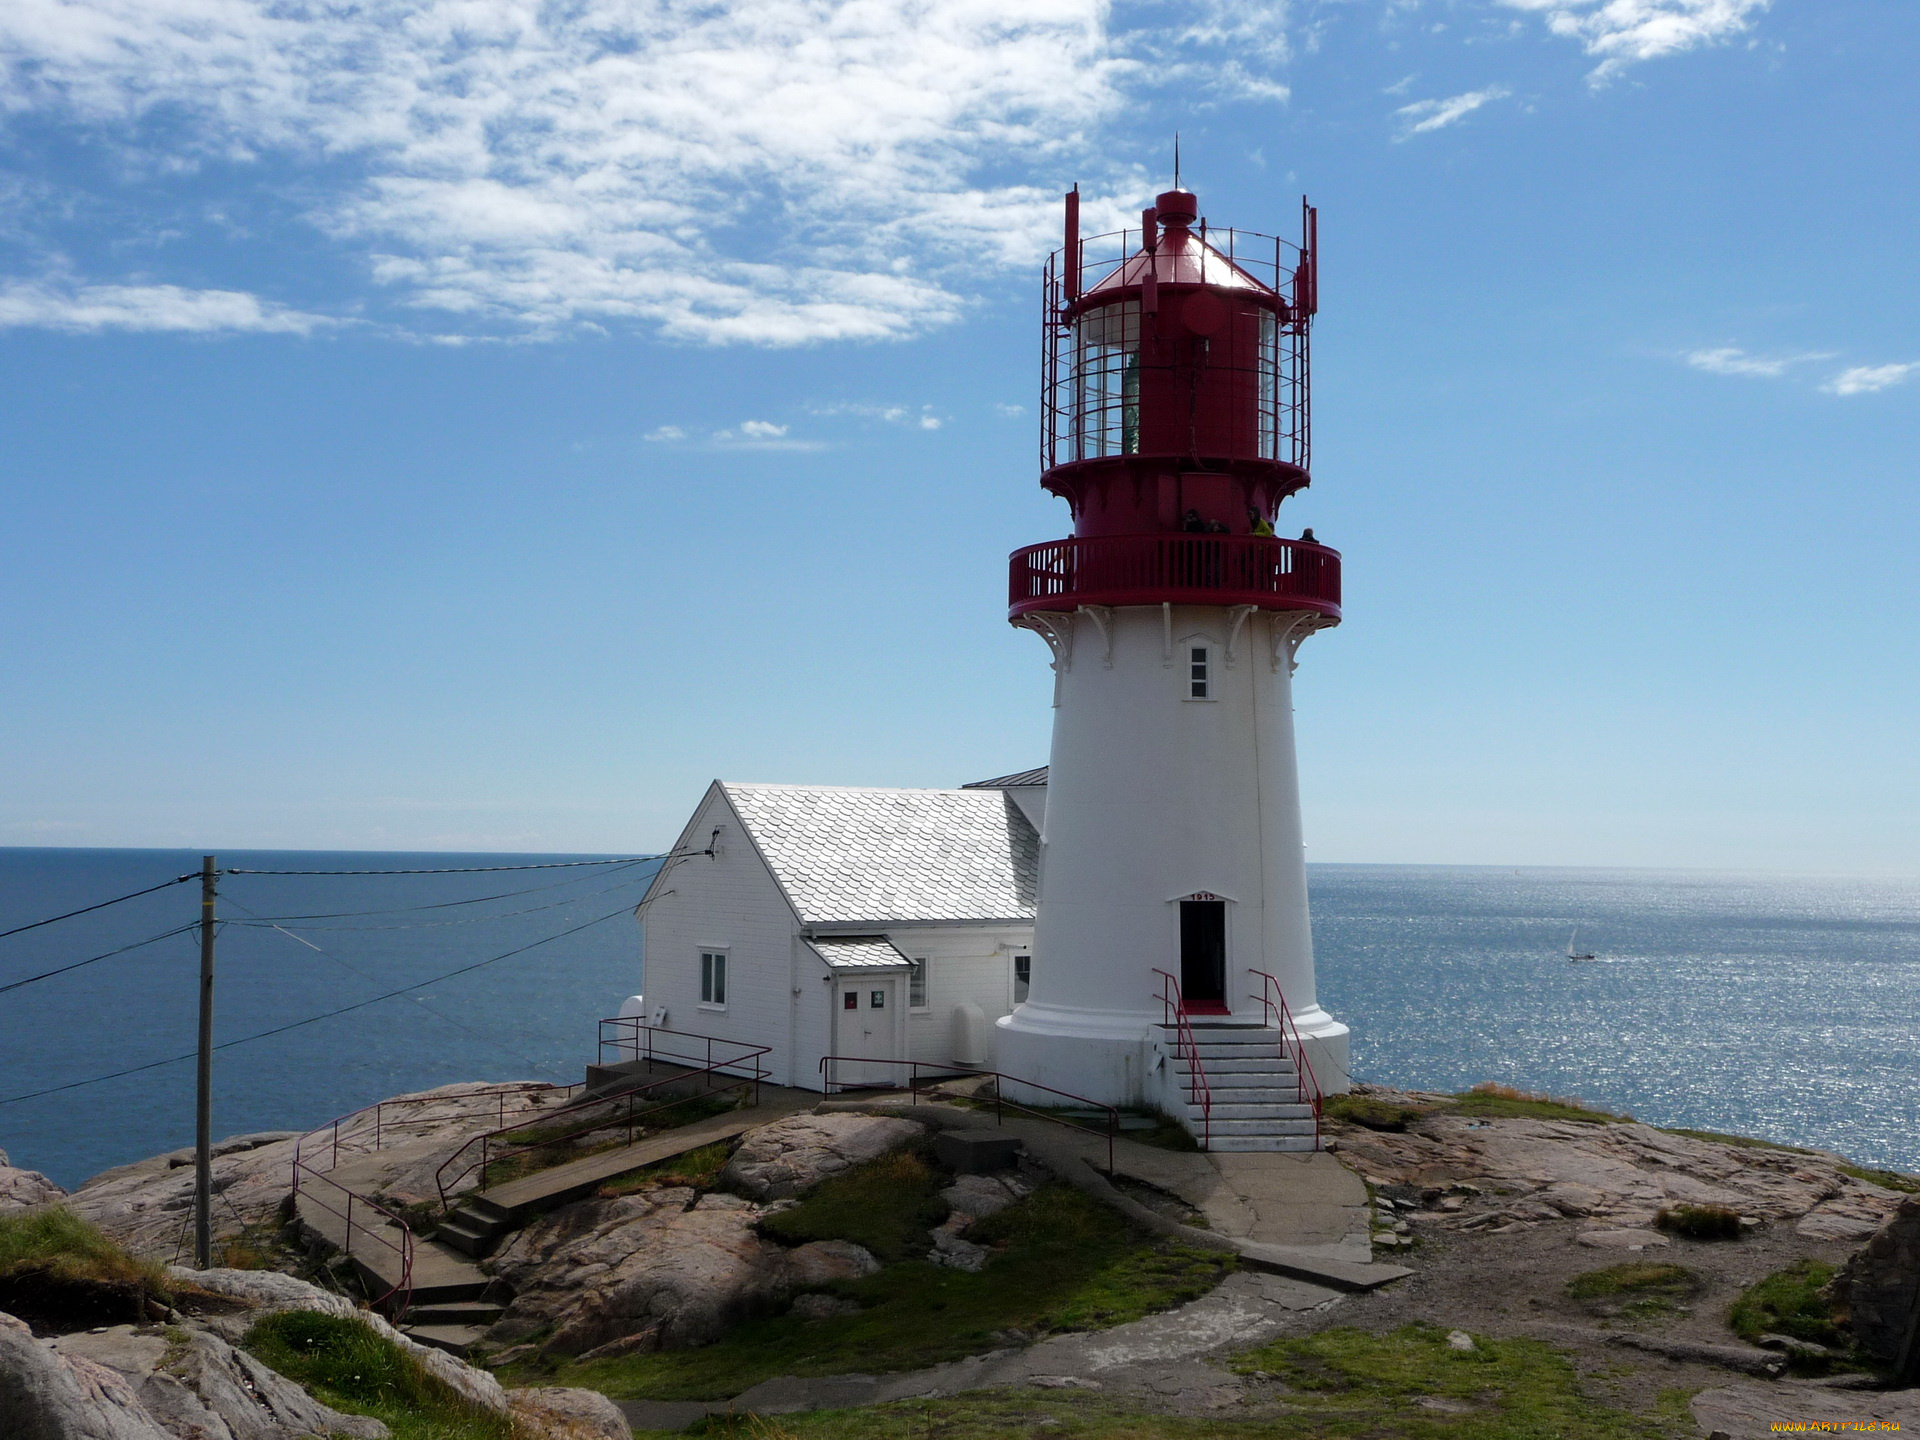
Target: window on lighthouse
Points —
{"points": [[1199, 680], [1106, 382]]}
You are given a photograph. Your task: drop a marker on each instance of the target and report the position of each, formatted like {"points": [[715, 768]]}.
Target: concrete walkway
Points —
{"points": [[1162, 1354], [560, 1183], [1303, 1215]]}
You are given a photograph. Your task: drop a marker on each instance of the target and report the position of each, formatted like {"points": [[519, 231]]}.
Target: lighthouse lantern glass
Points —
{"points": [[1106, 382]]}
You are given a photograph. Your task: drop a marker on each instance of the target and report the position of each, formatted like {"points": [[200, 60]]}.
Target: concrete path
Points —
{"points": [[545, 1188], [439, 1273], [1303, 1215], [1164, 1354]]}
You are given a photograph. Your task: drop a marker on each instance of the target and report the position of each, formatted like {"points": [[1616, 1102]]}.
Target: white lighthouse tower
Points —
{"points": [[1173, 954]]}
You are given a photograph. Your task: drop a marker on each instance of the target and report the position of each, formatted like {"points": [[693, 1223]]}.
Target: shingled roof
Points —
{"points": [[851, 854]]}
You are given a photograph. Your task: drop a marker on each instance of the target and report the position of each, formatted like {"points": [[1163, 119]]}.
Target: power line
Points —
{"points": [[20, 929], [315, 1019], [449, 904], [353, 969], [457, 870], [276, 920], [49, 974]]}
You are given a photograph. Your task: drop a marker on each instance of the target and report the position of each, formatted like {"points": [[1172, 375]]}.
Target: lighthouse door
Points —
{"points": [[865, 1014], [1203, 955]]}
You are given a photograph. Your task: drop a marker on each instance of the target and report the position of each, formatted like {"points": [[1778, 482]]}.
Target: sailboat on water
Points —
{"points": [[1573, 954]]}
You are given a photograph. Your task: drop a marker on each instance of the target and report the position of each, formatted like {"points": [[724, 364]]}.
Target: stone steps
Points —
{"points": [[456, 1340], [1253, 1089]]}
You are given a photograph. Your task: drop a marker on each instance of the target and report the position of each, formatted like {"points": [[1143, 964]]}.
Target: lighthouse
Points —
{"points": [[1172, 959]]}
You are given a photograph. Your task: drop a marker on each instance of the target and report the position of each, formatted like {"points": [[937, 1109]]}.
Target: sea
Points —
{"points": [[1782, 1006]]}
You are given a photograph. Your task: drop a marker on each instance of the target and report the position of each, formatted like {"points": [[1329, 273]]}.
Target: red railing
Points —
{"points": [[1275, 1001], [1180, 568], [306, 1154], [1000, 1103], [1173, 1011], [604, 1112]]}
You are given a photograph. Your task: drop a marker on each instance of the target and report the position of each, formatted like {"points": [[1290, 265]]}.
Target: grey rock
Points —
{"points": [[821, 1262], [123, 1383], [267, 1292], [554, 1412], [23, 1189], [1874, 1293], [793, 1155]]}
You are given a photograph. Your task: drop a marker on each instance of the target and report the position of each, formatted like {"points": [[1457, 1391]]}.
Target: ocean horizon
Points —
{"points": [[1778, 1005]]}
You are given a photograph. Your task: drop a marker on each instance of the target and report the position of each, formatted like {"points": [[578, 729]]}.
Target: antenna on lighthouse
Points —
{"points": [[1176, 159]]}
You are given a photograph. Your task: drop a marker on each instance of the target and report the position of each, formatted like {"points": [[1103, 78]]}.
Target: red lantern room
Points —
{"points": [[1175, 418]]}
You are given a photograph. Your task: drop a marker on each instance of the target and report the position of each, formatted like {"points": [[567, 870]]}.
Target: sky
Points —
{"points": [[477, 424]]}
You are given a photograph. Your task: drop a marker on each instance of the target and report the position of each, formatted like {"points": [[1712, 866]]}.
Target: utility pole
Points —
{"points": [[203, 1112]]}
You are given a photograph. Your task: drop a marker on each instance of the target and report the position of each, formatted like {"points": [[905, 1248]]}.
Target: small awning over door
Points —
{"points": [[859, 952]]}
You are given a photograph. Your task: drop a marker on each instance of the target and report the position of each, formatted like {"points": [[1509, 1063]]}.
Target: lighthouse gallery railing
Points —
{"points": [[1181, 568]]}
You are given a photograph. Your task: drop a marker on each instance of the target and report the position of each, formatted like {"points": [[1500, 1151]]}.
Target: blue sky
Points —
{"points": [[476, 425]]}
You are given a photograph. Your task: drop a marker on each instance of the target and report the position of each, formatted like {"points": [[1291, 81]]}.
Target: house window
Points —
{"points": [[917, 984], [1022, 977], [1198, 680], [713, 978], [876, 999], [850, 1000]]}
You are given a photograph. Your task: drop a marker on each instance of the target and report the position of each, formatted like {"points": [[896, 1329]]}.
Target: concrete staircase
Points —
{"points": [[1257, 1097]]}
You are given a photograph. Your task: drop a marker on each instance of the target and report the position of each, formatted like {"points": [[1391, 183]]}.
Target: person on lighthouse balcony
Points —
{"points": [[1172, 961]]}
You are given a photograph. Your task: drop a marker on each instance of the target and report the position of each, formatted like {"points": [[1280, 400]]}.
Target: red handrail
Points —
{"points": [[1173, 1011], [303, 1163], [1258, 570], [750, 1056], [1000, 1102], [1275, 1000]]}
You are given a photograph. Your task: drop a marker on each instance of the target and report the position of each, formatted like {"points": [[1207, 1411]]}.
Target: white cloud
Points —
{"points": [[1624, 32], [1865, 379], [922, 419], [94, 308], [545, 166], [762, 430], [665, 433], [1010, 411], [1425, 115], [1731, 360]]}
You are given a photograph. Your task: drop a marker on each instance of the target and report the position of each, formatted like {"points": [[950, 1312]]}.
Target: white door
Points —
{"points": [[866, 1019]]}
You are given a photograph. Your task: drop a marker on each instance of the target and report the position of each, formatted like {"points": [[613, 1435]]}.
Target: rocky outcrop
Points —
{"points": [[267, 1292], [1877, 1294], [1619, 1175], [20, 1189], [644, 1272], [660, 1270], [145, 1206], [127, 1383], [547, 1412], [795, 1154]]}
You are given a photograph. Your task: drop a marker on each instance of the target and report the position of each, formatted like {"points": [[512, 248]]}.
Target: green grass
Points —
{"points": [[1700, 1222], [1886, 1179], [1063, 1262], [1745, 1142], [54, 1240], [344, 1364], [1788, 1302], [1636, 1277], [1648, 1289], [1340, 1385], [698, 1168], [1503, 1102], [888, 1205], [1371, 1111]]}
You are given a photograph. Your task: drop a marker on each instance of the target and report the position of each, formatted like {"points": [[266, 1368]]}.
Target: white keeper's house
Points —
{"points": [[846, 920]]}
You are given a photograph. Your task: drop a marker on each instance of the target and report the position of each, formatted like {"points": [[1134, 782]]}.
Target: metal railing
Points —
{"points": [[1173, 1010], [1275, 1001], [1258, 570], [325, 1139], [1000, 1102], [617, 1109]]}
